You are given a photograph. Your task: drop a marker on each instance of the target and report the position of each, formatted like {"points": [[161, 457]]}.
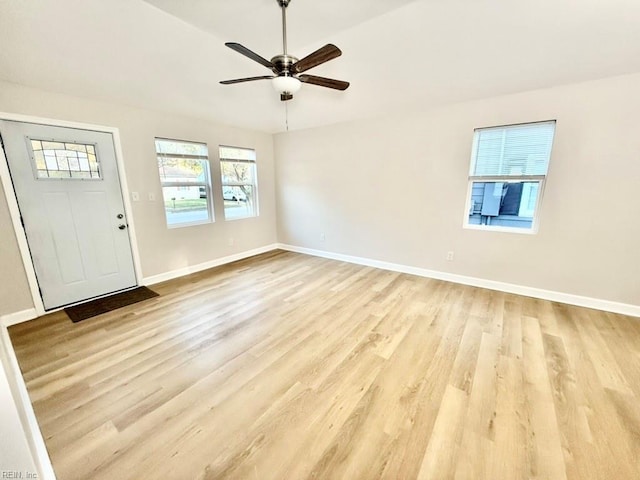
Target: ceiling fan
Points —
{"points": [[287, 69]]}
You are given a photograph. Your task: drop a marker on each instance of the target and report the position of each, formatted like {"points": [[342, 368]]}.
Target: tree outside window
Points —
{"points": [[239, 185]]}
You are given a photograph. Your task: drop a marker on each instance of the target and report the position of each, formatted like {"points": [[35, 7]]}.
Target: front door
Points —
{"points": [[68, 190]]}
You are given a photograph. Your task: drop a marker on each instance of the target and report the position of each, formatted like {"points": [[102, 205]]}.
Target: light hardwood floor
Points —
{"points": [[286, 366]]}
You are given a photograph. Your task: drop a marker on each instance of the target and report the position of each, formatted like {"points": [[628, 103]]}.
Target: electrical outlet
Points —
{"points": [[231, 241], [322, 237], [135, 196], [449, 256]]}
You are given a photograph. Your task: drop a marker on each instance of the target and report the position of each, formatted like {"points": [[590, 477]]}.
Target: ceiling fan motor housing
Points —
{"points": [[283, 64]]}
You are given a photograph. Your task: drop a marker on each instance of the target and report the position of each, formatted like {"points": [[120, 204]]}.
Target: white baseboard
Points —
{"points": [[571, 299], [26, 315], [31, 430], [163, 277], [580, 301], [18, 317]]}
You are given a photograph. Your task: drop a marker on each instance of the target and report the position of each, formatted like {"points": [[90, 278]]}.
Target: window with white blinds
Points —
{"points": [[239, 182], [508, 168], [186, 183]]}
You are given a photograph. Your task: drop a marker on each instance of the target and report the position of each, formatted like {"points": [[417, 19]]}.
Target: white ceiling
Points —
{"points": [[399, 55]]}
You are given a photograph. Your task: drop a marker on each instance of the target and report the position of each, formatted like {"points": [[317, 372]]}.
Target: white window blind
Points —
{"points": [[180, 149], [514, 150], [237, 154]]}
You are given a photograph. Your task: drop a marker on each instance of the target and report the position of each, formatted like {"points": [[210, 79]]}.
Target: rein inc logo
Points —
{"points": [[17, 474]]}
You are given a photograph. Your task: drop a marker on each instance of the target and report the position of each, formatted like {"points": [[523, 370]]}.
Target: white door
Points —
{"points": [[68, 190]]}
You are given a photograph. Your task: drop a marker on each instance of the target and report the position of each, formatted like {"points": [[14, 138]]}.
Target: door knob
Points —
{"points": [[120, 215], [122, 227]]}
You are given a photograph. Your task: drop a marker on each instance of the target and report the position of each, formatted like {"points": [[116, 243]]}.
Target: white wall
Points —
{"points": [[15, 455], [21, 456], [161, 249], [15, 295], [394, 190]]}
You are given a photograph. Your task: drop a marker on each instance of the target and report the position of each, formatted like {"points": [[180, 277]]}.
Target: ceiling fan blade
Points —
{"points": [[322, 55], [252, 55], [248, 79], [324, 82]]}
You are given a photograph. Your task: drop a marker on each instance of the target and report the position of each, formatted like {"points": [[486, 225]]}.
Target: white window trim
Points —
{"points": [[206, 185], [496, 228], [253, 185], [541, 179]]}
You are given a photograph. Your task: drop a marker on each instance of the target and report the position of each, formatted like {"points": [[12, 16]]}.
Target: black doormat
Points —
{"points": [[107, 304]]}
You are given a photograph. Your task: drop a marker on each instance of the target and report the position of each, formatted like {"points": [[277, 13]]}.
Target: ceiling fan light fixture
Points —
{"points": [[286, 84]]}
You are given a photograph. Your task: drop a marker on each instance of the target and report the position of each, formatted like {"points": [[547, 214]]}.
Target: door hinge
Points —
{"points": [[22, 222]]}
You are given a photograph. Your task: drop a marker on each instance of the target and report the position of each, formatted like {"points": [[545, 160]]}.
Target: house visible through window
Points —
{"points": [[508, 170], [185, 180], [239, 186]]}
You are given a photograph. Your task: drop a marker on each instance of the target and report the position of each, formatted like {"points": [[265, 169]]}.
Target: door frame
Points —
{"points": [[12, 201]]}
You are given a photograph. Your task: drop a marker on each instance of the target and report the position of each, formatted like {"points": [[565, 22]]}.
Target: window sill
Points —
{"points": [[490, 228], [232, 219], [190, 224]]}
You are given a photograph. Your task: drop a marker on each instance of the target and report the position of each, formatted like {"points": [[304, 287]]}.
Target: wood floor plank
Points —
{"points": [[510, 423], [440, 457], [286, 366], [547, 459], [607, 444]]}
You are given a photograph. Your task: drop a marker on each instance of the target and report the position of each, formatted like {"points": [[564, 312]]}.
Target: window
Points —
{"points": [[239, 188], [65, 160], [506, 179], [185, 180]]}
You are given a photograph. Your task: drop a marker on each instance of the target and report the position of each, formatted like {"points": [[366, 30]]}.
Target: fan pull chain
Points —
{"points": [[286, 115]]}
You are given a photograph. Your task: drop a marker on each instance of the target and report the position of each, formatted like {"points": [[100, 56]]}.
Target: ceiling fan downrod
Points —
{"points": [[283, 62], [283, 5]]}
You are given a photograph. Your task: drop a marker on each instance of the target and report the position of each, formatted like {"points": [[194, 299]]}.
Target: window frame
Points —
{"points": [[206, 183], [540, 179], [253, 185], [36, 171]]}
